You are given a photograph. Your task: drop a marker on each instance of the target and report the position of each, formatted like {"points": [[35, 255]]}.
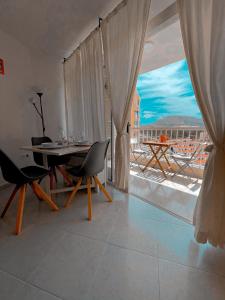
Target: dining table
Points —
{"points": [[59, 150], [158, 150]]}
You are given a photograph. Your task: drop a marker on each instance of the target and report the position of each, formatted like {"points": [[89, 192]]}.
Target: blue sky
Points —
{"points": [[166, 91]]}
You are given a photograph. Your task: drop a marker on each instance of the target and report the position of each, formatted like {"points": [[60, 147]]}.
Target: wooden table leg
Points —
{"points": [[158, 160], [163, 154], [161, 168], [154, 156]]}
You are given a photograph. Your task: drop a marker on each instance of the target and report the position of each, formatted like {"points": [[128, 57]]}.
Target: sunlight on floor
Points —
{"points": [[177, 195], [180, 183]]}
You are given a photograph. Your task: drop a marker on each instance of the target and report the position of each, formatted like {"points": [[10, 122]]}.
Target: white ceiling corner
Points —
{"points": [[53, 27]]}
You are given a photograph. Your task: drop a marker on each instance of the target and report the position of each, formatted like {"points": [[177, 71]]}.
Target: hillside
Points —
{"points": [[175, 121]]}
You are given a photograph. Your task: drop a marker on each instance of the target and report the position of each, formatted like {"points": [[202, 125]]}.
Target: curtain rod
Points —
{"points": [[112, 13]]}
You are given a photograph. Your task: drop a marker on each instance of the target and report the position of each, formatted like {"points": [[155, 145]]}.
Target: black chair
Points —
{"points": [[21, 178], [92, 165], [54, 162]]}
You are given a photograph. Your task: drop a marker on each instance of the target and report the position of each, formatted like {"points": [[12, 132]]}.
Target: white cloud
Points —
{"points": [[147, 114]]}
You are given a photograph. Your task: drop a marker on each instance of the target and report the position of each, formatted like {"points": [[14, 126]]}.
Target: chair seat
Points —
{"points": [[139, 151], [34, 172], [181, 157], [76, 171]]}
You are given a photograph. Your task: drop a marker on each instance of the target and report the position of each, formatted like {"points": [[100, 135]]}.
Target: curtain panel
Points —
{"points": [[123, 35], [73, 95], [84, 90], [203, 30]]}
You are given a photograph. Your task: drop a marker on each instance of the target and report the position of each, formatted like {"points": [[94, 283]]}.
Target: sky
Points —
{"points": [[166, 91]]}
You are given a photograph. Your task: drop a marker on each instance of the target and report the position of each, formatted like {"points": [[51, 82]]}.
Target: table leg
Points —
{"points": [[46, 179], [161, 168], [158, 160], [163, 154], [154, 156]]}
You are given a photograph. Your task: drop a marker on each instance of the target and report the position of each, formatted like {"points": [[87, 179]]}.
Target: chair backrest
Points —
{"points": [[38, 158], [10, 171], [94, 161], [197, 151]]}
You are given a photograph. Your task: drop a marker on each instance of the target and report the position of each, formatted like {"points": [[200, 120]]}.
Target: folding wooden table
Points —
{"points": [[158, 151]]}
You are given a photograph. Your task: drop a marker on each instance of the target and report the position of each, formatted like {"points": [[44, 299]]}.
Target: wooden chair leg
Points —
{"points": [[70, 198], [38, 195], [38, 190], [9, 201], [89, 198], [64, 174], [19, 219], [102, 188]]}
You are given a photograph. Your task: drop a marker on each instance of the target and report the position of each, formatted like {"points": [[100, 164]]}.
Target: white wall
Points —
{"points": [[48, 75], [18, 120]]}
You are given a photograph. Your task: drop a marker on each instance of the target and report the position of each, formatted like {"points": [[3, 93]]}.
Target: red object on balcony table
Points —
{"points": [[2, 71], [163, 138]]}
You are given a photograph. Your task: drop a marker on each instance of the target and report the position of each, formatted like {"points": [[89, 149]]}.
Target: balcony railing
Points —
{"points": [[174, 133], [185, 139]]}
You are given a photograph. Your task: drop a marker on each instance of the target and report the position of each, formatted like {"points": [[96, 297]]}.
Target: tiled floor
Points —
{"points": [[130, 251], [177, 195]]}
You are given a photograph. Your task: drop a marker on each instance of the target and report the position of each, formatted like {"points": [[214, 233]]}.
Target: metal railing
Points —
{"points": [[185, 141], [142, 134]]}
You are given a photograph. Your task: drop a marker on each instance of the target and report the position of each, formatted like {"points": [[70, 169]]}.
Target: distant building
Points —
{"points": [[135, 118]]}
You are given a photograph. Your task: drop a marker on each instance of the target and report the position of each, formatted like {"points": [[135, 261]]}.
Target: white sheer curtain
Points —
{"points": [[84, 90], [203, 31], [123, 40], [92, 83], [73, 93]]}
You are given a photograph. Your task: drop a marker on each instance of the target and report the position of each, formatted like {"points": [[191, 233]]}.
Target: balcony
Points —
{"points": [[173, 191]]}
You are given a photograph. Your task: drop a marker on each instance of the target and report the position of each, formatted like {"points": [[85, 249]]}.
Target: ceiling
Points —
{"points": [[164, 48], [159, 5], [54, 27]]}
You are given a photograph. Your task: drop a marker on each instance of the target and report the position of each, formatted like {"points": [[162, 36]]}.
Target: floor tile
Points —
{"points": [[124, 274], [134, 234], [103, 218], [138, 209], [13, 289], [184, 283], [19, 255], [34, 211], [180, 203], [176, 243], [67, 271]]}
